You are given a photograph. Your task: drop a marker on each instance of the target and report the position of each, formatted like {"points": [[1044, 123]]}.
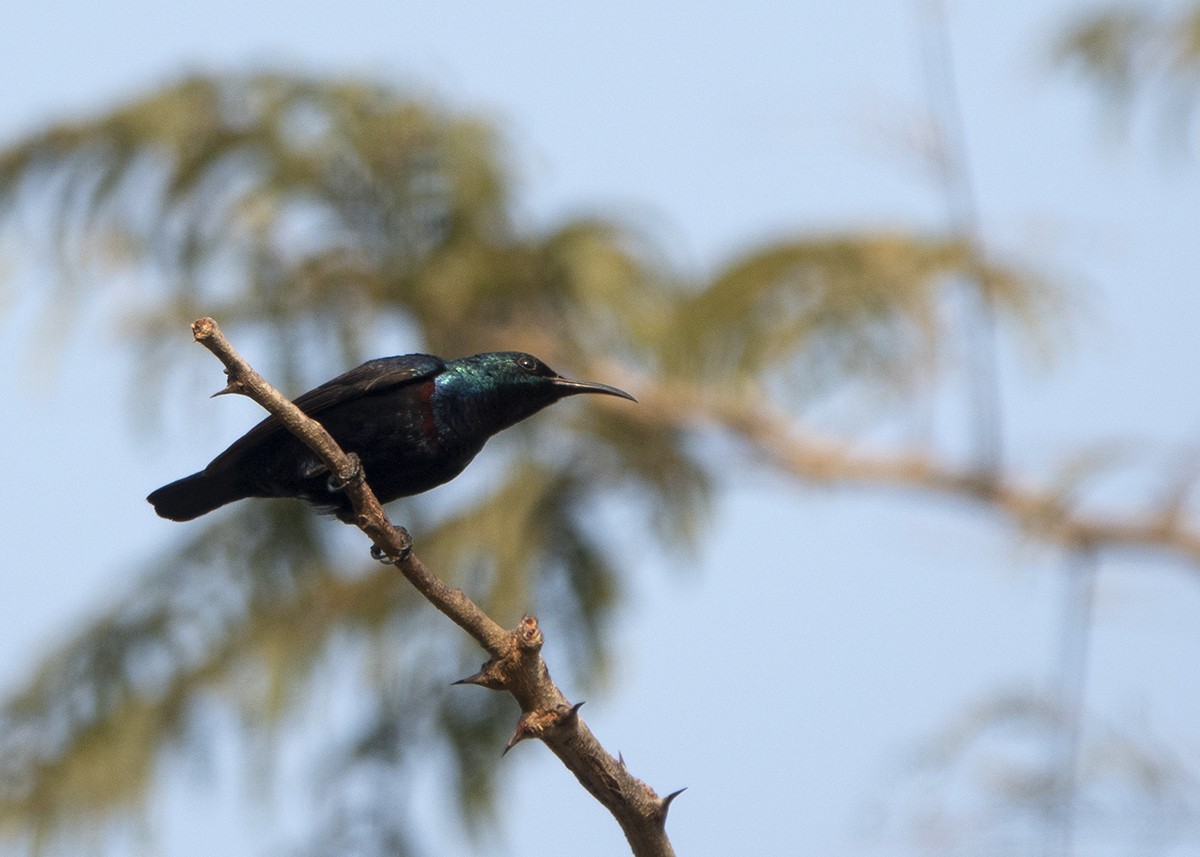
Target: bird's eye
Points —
{"points": [[527, 363]]}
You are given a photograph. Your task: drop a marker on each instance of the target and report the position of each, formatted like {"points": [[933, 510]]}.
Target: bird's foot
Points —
{"points": [[336, 483], [406, 546]]}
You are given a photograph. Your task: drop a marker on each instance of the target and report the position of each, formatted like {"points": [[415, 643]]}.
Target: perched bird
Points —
{"points": [[415, 422]]}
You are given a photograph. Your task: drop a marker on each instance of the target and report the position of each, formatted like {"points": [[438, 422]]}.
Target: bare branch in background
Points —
{"points": [[1039, 510]]}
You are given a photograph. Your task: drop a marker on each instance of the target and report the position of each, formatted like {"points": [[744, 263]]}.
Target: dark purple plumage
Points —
{"points": [[415, 422]]}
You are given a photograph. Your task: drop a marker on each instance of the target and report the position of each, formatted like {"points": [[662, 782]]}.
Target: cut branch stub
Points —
{"points": [[529, 636], [519, 668]]}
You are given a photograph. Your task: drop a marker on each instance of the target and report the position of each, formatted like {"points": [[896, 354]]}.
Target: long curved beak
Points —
{"points": [[571, 388]]}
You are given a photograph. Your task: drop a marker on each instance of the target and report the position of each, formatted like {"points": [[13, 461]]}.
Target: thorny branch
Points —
{"points": [[515, 664]]}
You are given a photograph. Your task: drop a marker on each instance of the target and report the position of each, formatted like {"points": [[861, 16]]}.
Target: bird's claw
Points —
{"points": [[338, 484], [380, 555]]}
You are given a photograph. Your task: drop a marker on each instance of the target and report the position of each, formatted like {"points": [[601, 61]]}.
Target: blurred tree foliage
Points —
{"points": [[1132, 53], [324, 222]]}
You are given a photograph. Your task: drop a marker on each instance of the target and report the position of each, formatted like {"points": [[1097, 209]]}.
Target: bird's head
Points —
{"points": [[512, 385]]}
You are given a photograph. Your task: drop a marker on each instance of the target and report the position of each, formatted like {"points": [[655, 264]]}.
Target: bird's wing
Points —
{"points": [[370, 378]]}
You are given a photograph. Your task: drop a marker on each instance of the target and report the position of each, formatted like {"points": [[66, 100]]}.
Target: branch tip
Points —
{"points": [[204, 328]]}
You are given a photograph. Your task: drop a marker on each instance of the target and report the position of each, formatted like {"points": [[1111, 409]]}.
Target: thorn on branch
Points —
{"points": [[523, 731], [233, 387], [536, 724], [490, 675], [665, 804], [572, 715]]}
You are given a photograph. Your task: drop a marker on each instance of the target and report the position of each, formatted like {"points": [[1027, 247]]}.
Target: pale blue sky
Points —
{"points": [[788, 717]]}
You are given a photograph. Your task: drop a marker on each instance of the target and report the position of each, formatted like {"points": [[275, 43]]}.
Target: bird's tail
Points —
{"points": [[193, 496]]}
